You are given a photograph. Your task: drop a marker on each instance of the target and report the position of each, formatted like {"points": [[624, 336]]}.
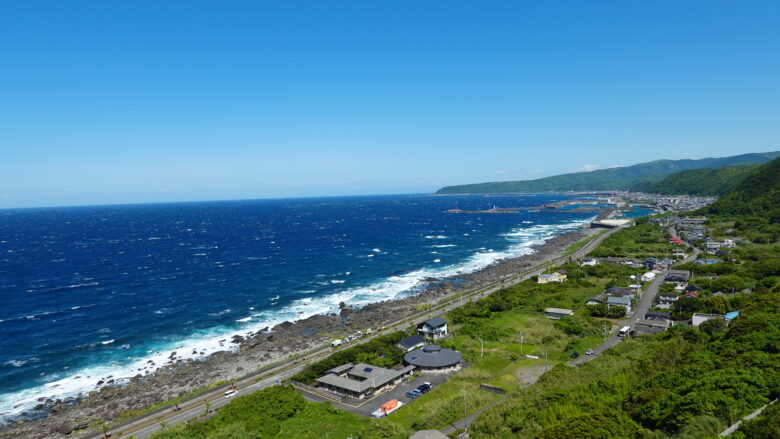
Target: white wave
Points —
{"points": [[437, 260], [245, 319], [376, 250], [108, 341], [337, 281], [16, 363], [203, 343], [435, 237], [444, 245]]}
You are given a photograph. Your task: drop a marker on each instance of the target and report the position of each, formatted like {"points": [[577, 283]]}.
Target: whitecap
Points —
{"points": [[107, 341]]}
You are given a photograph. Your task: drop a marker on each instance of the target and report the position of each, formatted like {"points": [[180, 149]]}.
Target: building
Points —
{"points": [[589, 262], [713, 246], [433, 358], [600, 299], [679, 254], [647, 277], [623, 301], [557, 313], [362, 379], [651, 326], [666, 300], [411, 343], [678, 276], [698, 319], [435, 328], [552, 277], [657, 315]]}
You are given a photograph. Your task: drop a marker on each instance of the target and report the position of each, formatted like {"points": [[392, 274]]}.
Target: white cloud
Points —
{"points": [[499, 172], [588, 167]]}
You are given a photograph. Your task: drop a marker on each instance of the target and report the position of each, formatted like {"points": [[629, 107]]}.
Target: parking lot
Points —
{"points": [[365, 407]]}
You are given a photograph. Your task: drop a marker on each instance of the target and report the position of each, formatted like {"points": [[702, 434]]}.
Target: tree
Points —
{"points": [[712, 326], [617, 312]]}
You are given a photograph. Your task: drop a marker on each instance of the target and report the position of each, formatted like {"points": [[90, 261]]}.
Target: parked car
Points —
{"points": [[589, 352], [574, 354], [424, 388], [387, 408], [413, 393]]}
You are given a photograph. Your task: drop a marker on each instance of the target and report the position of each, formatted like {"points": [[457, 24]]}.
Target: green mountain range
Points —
{"points": [[623, 178], [701, 182], [757, 195]]}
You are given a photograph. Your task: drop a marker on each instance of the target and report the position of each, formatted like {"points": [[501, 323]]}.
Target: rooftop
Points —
{"points": [[374, 377], [433, 356], [436, 322]]}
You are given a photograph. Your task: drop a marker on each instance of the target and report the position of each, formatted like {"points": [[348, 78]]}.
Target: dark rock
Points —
{"points": [[66, 428]]}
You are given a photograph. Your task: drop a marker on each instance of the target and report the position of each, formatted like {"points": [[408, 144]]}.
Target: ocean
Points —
{"points": [[91, 292]]}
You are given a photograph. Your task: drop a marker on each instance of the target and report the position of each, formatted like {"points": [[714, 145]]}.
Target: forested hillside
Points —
{"points": [[700, 182], [622, 178], [758, 194]]}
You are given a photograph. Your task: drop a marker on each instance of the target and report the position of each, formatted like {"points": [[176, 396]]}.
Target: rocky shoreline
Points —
{"points": [[70, 417]]}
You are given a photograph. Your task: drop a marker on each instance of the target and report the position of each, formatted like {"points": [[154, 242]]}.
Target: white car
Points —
{"points": [[231, 393], [589, 352]]}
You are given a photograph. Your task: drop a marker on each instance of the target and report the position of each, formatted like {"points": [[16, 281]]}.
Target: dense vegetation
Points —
{"points": [[623, 178], [684, 383], [700, 182], [380, 351], [758, 194]]}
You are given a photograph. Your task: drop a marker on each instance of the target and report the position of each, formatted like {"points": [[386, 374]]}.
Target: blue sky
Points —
{"points": [[114, 102]]}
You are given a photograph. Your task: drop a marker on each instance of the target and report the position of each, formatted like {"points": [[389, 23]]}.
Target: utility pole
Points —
{"points": [[481, 347], [521, 343], [465, 413], [546, 365]]}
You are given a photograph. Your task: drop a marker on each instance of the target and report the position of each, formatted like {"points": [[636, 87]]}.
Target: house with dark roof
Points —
{"points": [[433, 358], [600, 299], [617, 291], [677, 276], [657, 315], [435, 328], [647, 326], [362, 379], [557, 313], [411, 343]]}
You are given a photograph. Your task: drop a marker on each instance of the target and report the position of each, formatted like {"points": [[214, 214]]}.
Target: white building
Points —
{"points": [[698, 319]]}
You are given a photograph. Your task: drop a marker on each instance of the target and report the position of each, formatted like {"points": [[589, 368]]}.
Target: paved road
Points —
{"points": [[148, 424], [644, 304], [464, 423]]}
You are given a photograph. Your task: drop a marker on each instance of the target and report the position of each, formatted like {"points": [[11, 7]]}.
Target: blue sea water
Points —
{"points": [[87, 292]]}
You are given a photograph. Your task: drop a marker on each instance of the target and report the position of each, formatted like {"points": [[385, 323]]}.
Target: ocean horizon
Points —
{"points": [[91, 292]]}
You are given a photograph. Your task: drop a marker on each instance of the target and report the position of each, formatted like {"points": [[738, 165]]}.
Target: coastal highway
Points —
{"points": [[150, 423]]}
